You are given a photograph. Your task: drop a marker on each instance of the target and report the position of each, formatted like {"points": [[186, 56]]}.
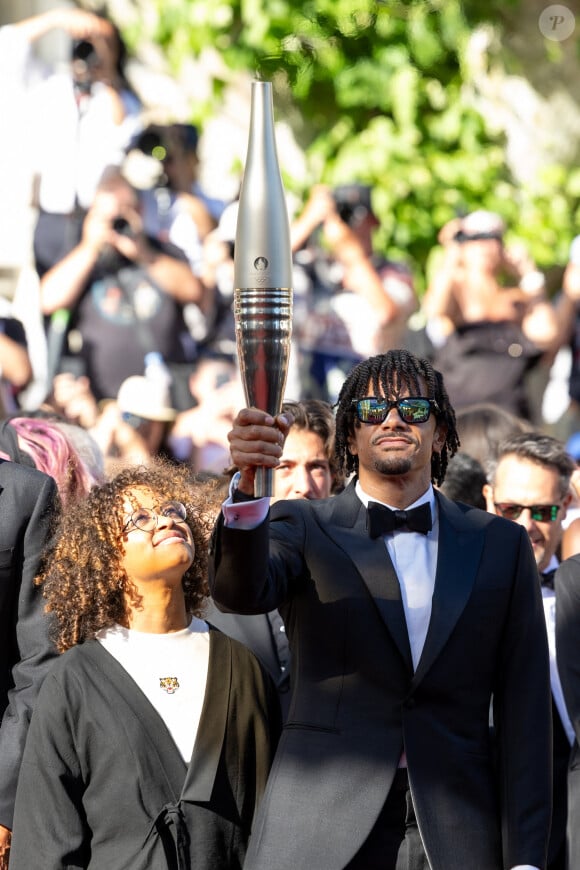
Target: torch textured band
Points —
{"points": [[263, 319]]}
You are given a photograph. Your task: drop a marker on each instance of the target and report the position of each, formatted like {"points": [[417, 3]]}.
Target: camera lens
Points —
{"points": [[345, 212], [122, 226], [148, 142], [84, 50]]}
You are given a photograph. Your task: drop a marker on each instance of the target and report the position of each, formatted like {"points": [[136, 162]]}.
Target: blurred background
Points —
{"points": [[442, 107]]}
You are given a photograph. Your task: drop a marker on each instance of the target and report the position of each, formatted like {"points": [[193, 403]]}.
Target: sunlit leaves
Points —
{"points": [[375, 91]]}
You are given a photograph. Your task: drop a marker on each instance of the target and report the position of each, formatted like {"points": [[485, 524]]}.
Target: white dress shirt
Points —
{"points": [[414, 558]]}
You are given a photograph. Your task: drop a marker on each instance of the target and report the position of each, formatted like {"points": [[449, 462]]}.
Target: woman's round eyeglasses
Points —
{"points": [[147, 519]]}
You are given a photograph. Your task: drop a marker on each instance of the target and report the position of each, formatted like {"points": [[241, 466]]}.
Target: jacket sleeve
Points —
{"points": [[254, 570], [567, 587], [36, 500], [523, 719], [48, 814]]}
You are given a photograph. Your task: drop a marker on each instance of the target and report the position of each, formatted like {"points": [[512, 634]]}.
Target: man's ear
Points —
{"points": [[487, 491], [351, 444], [439, 437]]}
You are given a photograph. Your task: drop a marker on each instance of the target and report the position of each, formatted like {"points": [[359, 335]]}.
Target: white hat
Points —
{"points": [[145, 398], [483, 222]]}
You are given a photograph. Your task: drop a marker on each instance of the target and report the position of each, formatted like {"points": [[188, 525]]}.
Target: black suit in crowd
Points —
{"points": [[567, 587], [28, 499], [265, 635]]}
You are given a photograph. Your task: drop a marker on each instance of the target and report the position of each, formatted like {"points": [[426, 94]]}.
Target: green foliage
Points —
{"points": [[375, 89]]}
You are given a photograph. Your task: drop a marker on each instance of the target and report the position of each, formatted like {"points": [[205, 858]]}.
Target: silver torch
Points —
{"points": [[263, 271]]}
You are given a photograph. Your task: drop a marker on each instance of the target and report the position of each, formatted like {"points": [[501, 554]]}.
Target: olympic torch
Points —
{"points": [[263, 271]]}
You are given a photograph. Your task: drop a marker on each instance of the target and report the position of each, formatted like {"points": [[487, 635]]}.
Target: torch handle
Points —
{"points": [[264, 482]]}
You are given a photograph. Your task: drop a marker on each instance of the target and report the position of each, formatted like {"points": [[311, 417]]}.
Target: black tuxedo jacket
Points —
{"points": [[265, 636], [567, 588], [28, 499], [356, 702]]}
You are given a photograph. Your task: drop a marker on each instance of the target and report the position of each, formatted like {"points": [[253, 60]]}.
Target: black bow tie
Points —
{"points": [[381, 519], [548, 579]]}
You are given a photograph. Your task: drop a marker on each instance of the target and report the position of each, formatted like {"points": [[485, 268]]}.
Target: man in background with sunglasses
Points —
{"points": [[406, 614], [529, 482]]}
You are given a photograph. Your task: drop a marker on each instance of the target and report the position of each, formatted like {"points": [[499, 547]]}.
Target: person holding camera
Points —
{"points": [[180, 167], [488, 316], [349, 300], [175, 207], [122, 293], [78, 120], [164, 163]]}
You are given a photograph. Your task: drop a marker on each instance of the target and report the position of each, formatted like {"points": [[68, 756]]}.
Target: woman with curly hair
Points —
{"points": [[153, 733]]}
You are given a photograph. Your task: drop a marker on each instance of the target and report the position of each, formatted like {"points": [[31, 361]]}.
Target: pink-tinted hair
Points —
{"points": [[56, 455]]}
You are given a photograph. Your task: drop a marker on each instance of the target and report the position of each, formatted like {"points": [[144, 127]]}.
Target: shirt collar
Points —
{"points": [[428, 496], [552, 565]]}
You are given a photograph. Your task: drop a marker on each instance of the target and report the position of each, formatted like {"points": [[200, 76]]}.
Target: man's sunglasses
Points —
{"points": [[411, 409], [540, 513]]}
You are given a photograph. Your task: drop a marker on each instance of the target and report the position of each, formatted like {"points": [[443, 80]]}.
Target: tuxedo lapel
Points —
{"points": [[348, 528], [459, 554]]}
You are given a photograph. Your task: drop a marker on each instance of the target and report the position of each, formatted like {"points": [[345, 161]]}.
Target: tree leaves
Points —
{"points": [[375, 92]]}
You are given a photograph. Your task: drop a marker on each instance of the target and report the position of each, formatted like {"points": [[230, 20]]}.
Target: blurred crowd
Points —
{"points": [[133, 261]]}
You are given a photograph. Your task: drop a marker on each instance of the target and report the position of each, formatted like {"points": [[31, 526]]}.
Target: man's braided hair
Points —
{"points": [[388, 373]]}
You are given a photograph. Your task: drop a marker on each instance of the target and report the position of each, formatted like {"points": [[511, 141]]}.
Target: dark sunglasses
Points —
{"points": [[411, 409], [540, 513]]}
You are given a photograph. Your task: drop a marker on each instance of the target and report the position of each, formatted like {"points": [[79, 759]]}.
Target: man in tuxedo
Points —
{"points": [[529, 482], [407, 615], [28, 501]]}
